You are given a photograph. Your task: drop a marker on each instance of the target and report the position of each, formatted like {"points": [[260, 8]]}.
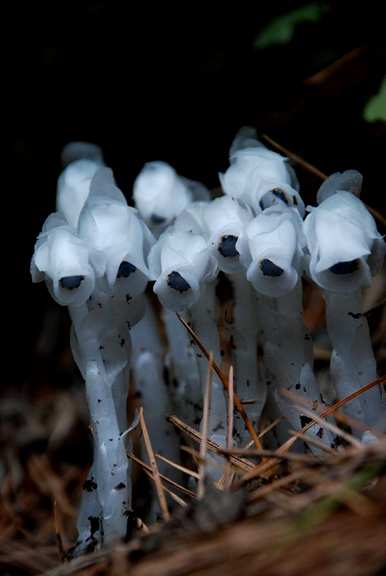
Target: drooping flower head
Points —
{"points": [[62, 259], [118, 240], [160, 194], [345, 246], [271, 250], [259, 177], [225, 220], [179, 262]]}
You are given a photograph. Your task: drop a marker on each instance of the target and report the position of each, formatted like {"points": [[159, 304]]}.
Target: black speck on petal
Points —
{"points": [[125, 269], [71, 282], [268, 268], [345, 267], [177, 282], [227, 246]]}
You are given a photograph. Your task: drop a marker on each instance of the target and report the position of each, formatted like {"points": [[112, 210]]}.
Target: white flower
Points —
{"points": [[224, 221], [345, 247], [259, 177], [118, 240], [271, 251], [179, 262], [73, 188], [160, 194], [62, 259]]}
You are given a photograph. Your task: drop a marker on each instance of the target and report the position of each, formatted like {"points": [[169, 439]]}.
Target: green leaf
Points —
{"points": [[281, 29], [375, 109]]}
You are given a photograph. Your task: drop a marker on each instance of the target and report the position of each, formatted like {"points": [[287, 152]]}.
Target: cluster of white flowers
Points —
{"points": [[97, 256]]}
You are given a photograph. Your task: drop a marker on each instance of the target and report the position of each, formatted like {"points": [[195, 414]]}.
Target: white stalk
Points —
{"points": [[147, 359], [184, 270], [352, 363], [346, 250], [204, 323], [182, 360], [225, 220], [111, 465], [288, 356], [244, 355]]}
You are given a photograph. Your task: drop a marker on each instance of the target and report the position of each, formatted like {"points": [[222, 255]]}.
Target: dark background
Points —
{"points": [[170, 82]]}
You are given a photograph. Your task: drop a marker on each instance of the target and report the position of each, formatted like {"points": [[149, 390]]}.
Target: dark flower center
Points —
{"points": [[177, 282], [268, 268], [345, 267], [125, 269], [227, 246], [156, 219], [71, 282]]}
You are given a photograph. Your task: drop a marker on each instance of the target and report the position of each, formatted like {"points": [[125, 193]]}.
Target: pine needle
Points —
{"points": [[177, 466], [162, 476], [153, 464], [205, 428]]}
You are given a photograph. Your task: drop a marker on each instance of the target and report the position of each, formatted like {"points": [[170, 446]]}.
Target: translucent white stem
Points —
{"points": [[187, 392], [244, 355], [352, 362], [104, 369], [148, 365], [288, 356], [204, 322], [111, 462]]}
